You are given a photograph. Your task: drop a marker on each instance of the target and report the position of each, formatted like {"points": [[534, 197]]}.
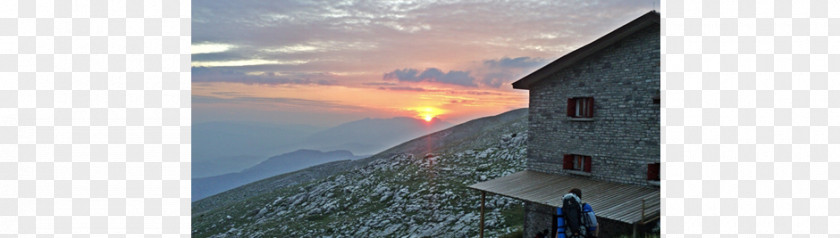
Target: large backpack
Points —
{"points": [[589, 219], [572, 215]]}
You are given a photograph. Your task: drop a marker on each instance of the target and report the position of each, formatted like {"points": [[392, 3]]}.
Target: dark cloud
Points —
{"points": [[409, 75], [497, 79], [492, 73], [455, 77], [519, 62], [231, 75], [500, 72]]}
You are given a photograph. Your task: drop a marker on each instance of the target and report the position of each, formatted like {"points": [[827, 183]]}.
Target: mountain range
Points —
{"points": [[203, 187], [229, 147]]}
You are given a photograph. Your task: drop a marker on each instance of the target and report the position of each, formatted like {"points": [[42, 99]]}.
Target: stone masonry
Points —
{"points": [[623, 135]]}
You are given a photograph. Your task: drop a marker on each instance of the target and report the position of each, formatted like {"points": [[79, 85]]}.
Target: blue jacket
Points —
{"points": [[561, 226], [588, 211]]}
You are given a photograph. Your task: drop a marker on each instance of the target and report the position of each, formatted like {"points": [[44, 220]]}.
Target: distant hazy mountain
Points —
{"points": [[226, 147], [370, 136], [297, 160], [417, 188], [203, 187], [223, 165]]}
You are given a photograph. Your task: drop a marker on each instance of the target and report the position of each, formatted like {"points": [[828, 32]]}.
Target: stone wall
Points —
{"points": [[537, 218], [623, 135], [613, 228]]}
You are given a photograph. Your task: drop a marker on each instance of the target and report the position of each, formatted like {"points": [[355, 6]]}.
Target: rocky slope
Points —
{"points": [[416, 189]]}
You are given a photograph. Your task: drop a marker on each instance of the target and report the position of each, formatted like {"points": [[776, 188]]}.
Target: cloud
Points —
{"points": [[203, 48], [216, 56], [378, 36], [498, 72], [248, 62], [226, 75], [519, 62], [274, 102], [413, 89], [497, 79], [491, 72], [302, 42], [462, 78], [409, 75], [380, 84], [462, 102]]}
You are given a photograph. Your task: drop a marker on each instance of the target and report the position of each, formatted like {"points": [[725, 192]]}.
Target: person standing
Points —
{"points": [[576, 219]]}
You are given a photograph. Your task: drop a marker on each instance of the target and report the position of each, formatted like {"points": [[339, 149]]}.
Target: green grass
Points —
{"points": [[516, 234], [641, 236], [514, 213]]}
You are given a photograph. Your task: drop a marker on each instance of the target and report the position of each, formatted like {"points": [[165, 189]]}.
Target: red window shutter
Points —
{"points": [[568, 162], [587, 164], [591, 110], [570, 107], [653, 171]]}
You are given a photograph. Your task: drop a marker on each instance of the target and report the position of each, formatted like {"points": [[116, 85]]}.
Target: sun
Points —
{"points": [[427, 113]]}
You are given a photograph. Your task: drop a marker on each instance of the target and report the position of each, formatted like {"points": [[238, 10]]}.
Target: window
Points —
{"points": [[577, 162], [580, 107], [653, 171]]}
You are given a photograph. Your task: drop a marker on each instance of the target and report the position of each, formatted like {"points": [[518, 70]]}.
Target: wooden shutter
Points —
{"points": [[653, 171], [570, 107], [591, 104], [568, 161], [587, 164]]}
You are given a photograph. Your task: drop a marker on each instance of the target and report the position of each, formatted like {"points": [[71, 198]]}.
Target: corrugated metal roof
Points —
{"points": [[616, 201]]}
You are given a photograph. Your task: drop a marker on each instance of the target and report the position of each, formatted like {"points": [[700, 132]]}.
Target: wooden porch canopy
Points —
{"points": [[621, 202]]}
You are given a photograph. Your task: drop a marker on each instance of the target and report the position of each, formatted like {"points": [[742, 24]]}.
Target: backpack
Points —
{"points": [[573, 215], [589, 220]]}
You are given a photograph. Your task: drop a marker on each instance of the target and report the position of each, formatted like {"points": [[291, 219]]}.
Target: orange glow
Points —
{"points": [[427, 113], [451, 105]]}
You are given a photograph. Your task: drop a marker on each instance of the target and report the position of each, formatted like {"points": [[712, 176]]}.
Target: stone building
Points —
{"points": [[594, 124]]}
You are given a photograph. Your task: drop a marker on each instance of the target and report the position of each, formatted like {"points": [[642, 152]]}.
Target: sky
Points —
{"points": [[323, 63]]}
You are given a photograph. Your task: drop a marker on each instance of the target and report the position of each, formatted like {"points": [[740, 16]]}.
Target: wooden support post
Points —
{"points": [[643, 210], [640, 221], [481, 229]]}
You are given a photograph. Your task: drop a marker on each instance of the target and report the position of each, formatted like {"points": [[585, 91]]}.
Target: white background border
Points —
{"points": [[95, 119]]}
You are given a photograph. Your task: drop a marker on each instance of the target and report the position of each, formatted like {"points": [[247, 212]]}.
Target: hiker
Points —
{"points": [[576, 220]]}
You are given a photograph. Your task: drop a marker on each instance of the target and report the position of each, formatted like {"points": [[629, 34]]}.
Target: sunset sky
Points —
{"points": [[325, 63]]}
